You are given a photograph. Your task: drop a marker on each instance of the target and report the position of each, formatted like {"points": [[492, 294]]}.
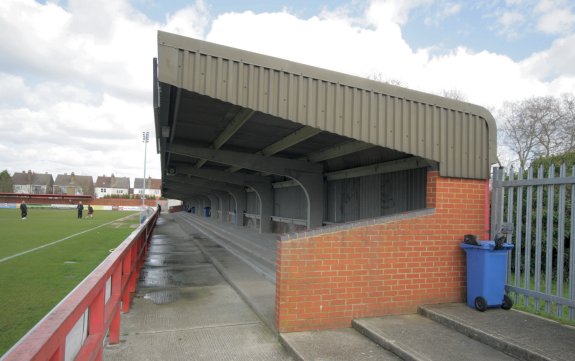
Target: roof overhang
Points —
{"points": [[226, 110]]}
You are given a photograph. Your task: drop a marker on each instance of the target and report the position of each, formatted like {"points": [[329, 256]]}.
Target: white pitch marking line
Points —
{"points": [[60, 240]]}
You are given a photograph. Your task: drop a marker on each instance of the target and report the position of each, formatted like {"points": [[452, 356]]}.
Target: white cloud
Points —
{"points": [[382, 12], [72, 136], [486, 78], [556, 22], [88, 43], [331, 43], [556, 17], [515, 2], [11, 90], [509, 23], [555, 62], [447, 10], [190, 21]]}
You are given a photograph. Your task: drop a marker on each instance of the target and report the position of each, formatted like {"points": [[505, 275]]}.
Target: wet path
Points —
{"points": [[185, 310]]}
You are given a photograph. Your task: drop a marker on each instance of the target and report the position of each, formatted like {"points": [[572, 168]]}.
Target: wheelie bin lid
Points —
{"points": [[486, 245]]}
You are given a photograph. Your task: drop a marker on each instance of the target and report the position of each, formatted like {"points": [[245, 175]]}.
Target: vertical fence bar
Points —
{"points": [[96, 314], [538, 230], [114, 337], [59, 354], [496, 201], [549, 238], [518, 238], [572, 250], [509, 219], [528, 219], [560, 239], [493, 199]]}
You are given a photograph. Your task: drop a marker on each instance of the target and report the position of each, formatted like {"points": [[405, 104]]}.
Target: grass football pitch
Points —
{"points": [[45, 256]]}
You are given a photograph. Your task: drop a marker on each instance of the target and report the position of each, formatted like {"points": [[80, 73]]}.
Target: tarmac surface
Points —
{"points": [[207, 292]]}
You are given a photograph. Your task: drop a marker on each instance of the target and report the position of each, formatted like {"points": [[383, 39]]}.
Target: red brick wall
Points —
{"points": [[328, 277]]}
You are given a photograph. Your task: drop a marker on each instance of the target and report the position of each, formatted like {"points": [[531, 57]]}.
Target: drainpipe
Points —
{"points": [[486, 210]]}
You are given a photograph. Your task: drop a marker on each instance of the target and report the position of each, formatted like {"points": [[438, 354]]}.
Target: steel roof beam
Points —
{"points": [[216, 175], [339, 150], [380, 168], [182, 179], [241, 117], [191, 190], [280, 166], [294, 138]]}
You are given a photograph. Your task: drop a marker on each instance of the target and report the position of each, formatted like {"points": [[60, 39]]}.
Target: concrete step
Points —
{"points": [[251, 241], [525, 336], [334, 345], [417, 338], [242, 244]]}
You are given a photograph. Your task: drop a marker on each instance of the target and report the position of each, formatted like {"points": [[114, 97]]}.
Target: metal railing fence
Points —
{"points": [[541, 268]]}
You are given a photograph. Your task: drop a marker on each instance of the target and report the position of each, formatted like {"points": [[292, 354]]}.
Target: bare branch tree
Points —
{"points": [[382, 79], [453, 93], [546, 113], [539, 127], [568, 123], [520, 132]]}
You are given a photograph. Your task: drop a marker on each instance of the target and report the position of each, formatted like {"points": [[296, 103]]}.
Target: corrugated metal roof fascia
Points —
{"points": [[382, 114]]}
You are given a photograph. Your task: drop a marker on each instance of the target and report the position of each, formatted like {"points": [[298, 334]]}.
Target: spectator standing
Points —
{"points": [[80, 208], [23, 210]]}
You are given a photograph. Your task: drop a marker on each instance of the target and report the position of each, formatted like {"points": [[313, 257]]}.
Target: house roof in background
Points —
{"points": [[73, 180], [25, 178], [151, 183], [113, 182]]}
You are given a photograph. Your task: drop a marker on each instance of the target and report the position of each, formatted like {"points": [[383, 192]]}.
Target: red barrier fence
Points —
{"points": [[77, 327]]}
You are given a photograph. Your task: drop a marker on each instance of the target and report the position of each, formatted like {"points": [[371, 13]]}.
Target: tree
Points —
{"points": [[539, 127], [6, 185], [546, 114], [453, 93], [382, 79], [567, 158], [520, 132], [568, 124]]}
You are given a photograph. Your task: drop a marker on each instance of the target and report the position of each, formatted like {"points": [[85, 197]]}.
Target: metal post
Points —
{"points": [[145, 139]]}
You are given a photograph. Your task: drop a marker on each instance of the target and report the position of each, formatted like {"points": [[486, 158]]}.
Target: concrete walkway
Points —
{"points": [[186, 310]]}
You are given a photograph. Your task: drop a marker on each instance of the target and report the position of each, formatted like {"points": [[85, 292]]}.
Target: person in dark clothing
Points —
{"points": [[80, 208], [90, 211], [159, 208], [23, 210]]}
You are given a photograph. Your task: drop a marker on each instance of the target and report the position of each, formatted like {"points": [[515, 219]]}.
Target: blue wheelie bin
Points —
{"points": [[486, 270]]}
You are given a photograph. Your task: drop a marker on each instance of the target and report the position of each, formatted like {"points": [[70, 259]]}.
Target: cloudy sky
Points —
{"points": [[76, 75]]}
